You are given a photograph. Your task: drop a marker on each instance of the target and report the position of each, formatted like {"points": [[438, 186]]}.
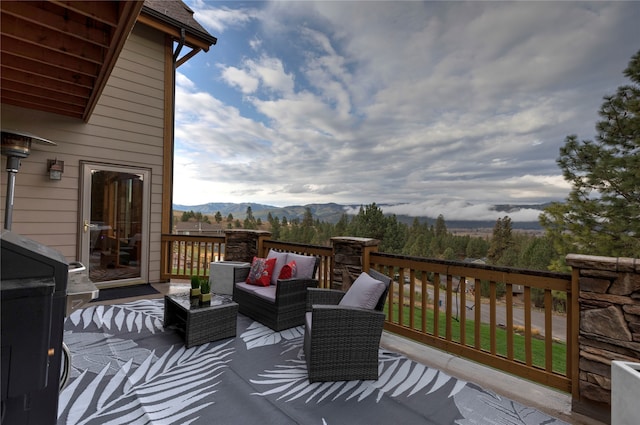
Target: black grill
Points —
{"points": [[33, 284]]}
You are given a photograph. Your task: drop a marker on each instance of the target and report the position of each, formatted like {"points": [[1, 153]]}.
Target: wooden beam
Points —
{"points": [[128, 15], [37, 70], [54, 19], [35, 80], [23, 101], [167, 147], [16, 51], [55, 41], [186, 57], [44, 93], [102, 11]]}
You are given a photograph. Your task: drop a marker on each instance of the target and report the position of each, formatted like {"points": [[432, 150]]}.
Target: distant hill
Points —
{"points": [[329, 213], [332, 212]]}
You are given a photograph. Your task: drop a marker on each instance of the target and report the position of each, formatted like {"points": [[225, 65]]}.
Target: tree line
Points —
{"points": [[421, 239]]}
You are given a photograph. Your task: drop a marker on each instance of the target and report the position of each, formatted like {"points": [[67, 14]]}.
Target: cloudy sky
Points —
{"points": [[439, 107]]}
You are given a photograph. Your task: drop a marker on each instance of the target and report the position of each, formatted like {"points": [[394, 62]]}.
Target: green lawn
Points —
{"points": [[559, 349]]}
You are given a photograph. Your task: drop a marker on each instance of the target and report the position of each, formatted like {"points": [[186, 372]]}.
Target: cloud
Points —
{"points": [[241, 79], [396, 102], [456, 209], [219, 19]]}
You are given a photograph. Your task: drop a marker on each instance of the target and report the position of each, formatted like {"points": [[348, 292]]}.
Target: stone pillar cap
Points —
{"points": [[356, 240]]}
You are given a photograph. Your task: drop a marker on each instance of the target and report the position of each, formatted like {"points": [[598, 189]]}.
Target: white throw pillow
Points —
{"points": [[281, 260], [364, 292]]}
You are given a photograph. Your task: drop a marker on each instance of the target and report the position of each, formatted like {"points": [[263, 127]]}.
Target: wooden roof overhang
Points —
{"points": [[180, 32], [56, 56]]}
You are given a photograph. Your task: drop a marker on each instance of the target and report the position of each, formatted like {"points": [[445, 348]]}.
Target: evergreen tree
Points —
{"points": [[536, 254], [438, 243], [477, 248], [218, 217], [369, 223], [501, 241], [441, 226], [186, 215], [601, 216], [395, 236], [201, 218], [275, 228], [420, 246], [342, 225], [307, 227], [449, 254], [250, 220]]}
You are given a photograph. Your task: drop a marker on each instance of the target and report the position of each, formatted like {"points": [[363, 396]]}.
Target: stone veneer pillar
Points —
{"points": [[609, 328], [243, 245], [350, 258]]}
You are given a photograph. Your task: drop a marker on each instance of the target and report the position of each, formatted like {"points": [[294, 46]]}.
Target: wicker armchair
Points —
{"points": [[341, 343]]}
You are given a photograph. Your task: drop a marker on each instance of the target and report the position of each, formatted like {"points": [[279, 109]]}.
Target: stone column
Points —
{"points": [[243, 245], [609, 328], [350, 258]]}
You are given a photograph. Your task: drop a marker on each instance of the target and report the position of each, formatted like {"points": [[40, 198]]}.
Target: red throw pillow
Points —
{"points": [[261, 270], [288, 270]]}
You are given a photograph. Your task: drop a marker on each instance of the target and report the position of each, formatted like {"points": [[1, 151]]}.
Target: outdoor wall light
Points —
{"points": [[56, 168]]}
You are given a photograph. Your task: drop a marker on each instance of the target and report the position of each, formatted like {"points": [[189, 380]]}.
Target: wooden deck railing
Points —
{"points": [[440, 304], [190, 255]]}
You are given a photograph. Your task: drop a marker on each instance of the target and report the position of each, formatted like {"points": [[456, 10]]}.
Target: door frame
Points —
{"points": [[84, 211]]}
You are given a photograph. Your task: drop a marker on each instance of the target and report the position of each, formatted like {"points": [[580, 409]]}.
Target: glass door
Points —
{"points": [[115, 224]]}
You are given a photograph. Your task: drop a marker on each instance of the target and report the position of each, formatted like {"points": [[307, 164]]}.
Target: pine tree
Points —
{"points": [[601, 216], [441, 226], [250, 221], [369, 223], [501, 241]]}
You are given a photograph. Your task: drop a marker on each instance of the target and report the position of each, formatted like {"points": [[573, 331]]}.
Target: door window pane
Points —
{"points": [[116, 225]]}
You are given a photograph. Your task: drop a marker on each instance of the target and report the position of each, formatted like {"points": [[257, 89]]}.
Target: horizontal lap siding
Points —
{"points": [[126, 128]]}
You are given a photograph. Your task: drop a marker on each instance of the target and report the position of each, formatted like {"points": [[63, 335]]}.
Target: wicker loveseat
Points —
{"points": [[282, 304], [343, 331]]}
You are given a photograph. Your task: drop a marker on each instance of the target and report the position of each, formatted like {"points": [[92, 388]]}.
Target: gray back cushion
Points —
{"points": [[364, 292], [305, 265]]}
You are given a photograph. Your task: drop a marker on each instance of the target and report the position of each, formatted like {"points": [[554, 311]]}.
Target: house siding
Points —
{"points": [[126, 128]]}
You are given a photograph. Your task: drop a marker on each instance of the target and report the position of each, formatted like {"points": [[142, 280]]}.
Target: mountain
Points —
{"points": [[332, 212], [225, 208]]}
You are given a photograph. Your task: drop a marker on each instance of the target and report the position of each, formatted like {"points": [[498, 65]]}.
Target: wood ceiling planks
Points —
{"points": [[57, 55]]}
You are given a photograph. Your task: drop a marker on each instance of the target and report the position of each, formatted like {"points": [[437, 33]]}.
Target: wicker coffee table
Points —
{"points": [[201, 323]]}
